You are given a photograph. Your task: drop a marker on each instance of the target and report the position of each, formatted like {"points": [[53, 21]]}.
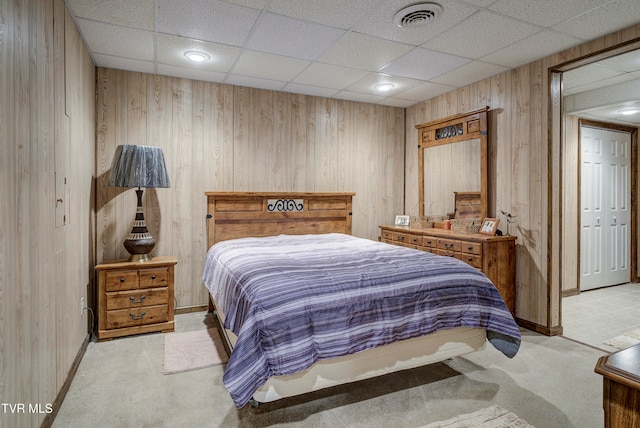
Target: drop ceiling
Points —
{"points": [[340, 48]]}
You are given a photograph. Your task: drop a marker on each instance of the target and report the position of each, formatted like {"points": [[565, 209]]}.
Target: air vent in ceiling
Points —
{"points": [[417, 15]]}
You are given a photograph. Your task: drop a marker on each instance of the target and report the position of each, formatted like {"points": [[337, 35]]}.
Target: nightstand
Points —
{"points": [[135, 297]]}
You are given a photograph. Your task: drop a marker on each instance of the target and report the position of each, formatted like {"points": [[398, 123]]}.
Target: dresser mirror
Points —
{"points": [[452, 157]]}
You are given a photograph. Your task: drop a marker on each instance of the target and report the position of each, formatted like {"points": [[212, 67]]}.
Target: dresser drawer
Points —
{"points": [[474, 260], [121, 280], [387, 235], [449, 245], [449, 253], [430, 242], [134, 299], [471, 248], [402, 238], [137, 316]]}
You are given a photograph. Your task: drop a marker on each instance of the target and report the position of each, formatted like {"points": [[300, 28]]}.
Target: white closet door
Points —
{"points": [[606, 212]]}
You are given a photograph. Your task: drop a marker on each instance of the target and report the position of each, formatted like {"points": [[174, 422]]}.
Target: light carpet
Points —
{"points": [[192, 350], [491, 417], [625, 340]]}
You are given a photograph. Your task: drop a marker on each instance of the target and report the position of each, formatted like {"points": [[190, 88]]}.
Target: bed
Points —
{"points": [[304, 305]]}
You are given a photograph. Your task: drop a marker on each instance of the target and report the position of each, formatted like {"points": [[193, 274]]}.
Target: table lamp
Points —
{"points": [[139, 166]]}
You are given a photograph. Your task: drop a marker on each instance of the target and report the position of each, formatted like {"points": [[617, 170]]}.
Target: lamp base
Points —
{"points": [[139, 243], [140, 258]]}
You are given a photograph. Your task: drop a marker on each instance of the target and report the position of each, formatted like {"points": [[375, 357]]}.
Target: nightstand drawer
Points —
{"points": [[121, 280], [137, 316], [134, 299], [152, 278]]}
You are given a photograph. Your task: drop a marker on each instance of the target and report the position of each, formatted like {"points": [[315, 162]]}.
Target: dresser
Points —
{"points": [[495, 256], [621, 387], [135, 297]]}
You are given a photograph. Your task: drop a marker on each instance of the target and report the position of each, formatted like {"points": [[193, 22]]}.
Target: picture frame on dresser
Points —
{"points": [[489, 226], [402, 220]]}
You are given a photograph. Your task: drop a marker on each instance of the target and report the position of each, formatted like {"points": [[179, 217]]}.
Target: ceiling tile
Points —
{"points": [[356, 96], [330, 76], [335, 13], [281, 35], [545, 13], [587, 74], [190, 73], [629, 62], [256, 4], [127, 13], [366, 85], [480, 35], [425, 91], [613, 16], [316, 91], [539, 45], [380, 23], [108, 39], [255, 82], [594, 84], [364, 52], [267, 66], [469, 73], [397, 102], [171, 51], [423, 64], [120, 63], [209, 20]]}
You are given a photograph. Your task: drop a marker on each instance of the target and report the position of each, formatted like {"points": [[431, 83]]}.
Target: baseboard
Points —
{"points": [[548, 331], [48, 420], [189, 309]]}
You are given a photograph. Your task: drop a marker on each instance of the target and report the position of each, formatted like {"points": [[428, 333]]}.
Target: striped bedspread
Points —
{"points": [[295, 299]]}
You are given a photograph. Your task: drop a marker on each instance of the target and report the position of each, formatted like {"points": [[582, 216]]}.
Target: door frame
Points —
{"points": [[555, 154], [633, 189]]}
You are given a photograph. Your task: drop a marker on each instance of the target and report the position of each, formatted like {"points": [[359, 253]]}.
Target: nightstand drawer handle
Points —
{"points": [[133, 299], [134, 317]]}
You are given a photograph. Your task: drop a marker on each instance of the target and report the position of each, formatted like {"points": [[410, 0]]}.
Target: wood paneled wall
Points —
{"points": [[47, 150], [525, 170], [219, 137]]}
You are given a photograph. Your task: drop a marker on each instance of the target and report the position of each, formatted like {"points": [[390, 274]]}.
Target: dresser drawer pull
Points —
{"points": [[469, 248], [429, 242], [400, 238], [449, 245], [133, 299], [122, 279], [134, 317], [153, 277]]}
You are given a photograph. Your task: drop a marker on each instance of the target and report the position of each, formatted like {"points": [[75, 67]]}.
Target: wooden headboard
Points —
{"points": [[232, 215]]}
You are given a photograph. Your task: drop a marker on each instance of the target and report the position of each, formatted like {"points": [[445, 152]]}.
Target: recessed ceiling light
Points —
{"points": [[196, 56], [384, 87], [629, 111]]}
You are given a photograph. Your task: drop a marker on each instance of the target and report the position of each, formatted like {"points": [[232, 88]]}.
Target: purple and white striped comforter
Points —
{"points": [[295, 299]]}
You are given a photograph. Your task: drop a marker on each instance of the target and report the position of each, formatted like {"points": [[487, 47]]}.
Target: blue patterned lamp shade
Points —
{"points": [[139, 166]]}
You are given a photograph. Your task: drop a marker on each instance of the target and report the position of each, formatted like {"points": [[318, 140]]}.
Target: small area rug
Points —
{"points": [[192, 350], [625, 340], [493, 417]]}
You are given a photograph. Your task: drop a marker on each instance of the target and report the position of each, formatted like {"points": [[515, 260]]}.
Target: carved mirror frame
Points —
{"points": [[454, 129]]}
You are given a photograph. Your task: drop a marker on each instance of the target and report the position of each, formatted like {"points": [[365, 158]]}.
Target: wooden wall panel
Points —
{"points": [[222, 138], [47, 122]]}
